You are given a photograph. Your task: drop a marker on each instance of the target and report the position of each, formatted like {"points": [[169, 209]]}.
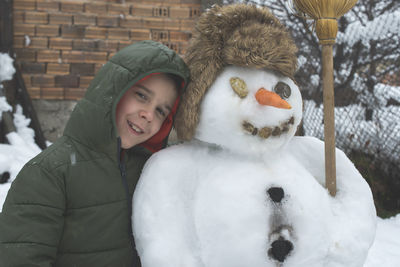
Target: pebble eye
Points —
{"points": [[239, 86], [283, 90]]}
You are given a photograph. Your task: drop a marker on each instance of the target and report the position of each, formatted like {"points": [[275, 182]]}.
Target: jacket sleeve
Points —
{"points": [[32, 219]]}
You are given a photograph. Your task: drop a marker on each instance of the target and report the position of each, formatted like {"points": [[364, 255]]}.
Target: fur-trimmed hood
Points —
{"points": [[241, 35]]}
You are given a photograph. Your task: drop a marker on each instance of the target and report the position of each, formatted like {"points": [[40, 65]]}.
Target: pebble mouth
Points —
{"points": [[266, 132]]}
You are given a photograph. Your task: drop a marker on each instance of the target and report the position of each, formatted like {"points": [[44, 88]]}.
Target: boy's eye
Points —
{"points": [[142, 96], [161, 112]]}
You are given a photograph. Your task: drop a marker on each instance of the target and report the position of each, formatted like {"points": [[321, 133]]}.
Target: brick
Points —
{"points": [[34, 92], [56, 68], [179, 12], [59, 18], [90, 45], [129, 22], [60, 43], [47, 30], [72, 31], [72, 56], [19, 42], [84, 81], [36, 17], [110, 56], [48, 56], [107, 45], [43, 80], [161, 12], [45, 5], [175, 36], [160, 23], [25, 54], [95, 57], [142, 10], [74, 93], [118, 33], [84, 19], [83, 56], [27, 79], [187, 25], [72, 7], [82, 69], [160, 35], [22, 29], [24, 4], [66, 81], [118, 9], [18, 17], [52, 93], [107, 21], [140, 34], [122, 44], [96, 8], [33, 67], [38, 42], [194, 12], [190, 2], [96, 33]]}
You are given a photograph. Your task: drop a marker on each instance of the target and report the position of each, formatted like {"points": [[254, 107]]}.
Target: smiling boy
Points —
{"points": [[71, 204], [144, 107]]}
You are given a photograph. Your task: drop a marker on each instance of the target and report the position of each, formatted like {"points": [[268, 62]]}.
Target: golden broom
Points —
{"points": [[325, 14]]}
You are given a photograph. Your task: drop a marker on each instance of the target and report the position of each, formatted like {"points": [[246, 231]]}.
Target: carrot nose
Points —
{"points": [[268, 98]]}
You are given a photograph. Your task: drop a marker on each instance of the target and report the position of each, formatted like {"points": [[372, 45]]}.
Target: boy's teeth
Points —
{"points": [[136, 129]]}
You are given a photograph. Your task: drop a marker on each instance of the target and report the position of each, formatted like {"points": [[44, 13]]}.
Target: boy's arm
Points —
{"points": [[31, 222]]}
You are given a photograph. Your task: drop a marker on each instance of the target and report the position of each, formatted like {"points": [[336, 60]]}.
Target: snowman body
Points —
{"points": [[235, 198]]}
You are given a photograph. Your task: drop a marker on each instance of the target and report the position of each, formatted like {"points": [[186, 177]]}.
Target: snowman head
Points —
{"points": [[253, 40], [250, 111]]}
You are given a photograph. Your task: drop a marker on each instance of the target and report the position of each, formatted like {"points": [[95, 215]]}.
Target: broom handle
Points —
{"points": [[329, 119]]}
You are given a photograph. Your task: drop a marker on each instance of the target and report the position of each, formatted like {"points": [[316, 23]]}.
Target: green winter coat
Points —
{"points": [[69, 205]]}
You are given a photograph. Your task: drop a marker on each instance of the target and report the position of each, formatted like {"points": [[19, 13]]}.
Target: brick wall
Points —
{"points": [[60, 45]]}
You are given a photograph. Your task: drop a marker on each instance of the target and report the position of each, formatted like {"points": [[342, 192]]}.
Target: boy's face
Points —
{"points": [[143, 109]]}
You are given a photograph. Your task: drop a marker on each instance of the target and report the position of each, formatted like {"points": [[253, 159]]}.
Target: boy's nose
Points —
{"points": [[146, 114]]}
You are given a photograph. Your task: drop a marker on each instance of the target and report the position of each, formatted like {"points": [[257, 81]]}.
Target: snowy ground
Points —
{"points": [[21, 147]]}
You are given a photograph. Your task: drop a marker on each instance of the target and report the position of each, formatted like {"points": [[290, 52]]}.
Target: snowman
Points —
{"points": [[243, 191]]}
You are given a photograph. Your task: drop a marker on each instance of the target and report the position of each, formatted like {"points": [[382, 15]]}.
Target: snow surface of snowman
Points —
{"points": [[246, 192]]}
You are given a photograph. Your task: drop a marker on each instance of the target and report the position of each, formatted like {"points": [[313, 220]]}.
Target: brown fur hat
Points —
{"points": [[240, 35]]}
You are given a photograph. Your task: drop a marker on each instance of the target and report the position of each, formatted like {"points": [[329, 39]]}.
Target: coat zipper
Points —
{"points": [[122, 169]]}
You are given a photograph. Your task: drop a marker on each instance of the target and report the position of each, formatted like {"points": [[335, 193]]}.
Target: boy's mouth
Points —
{"points": [[135, 128]]}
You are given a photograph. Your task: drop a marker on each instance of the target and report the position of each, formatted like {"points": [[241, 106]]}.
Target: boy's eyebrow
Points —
{"points": [[145, 88]]}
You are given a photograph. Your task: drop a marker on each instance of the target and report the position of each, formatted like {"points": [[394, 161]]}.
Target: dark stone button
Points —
{"points": [[276, 193], [4, 177], [280, 249]]}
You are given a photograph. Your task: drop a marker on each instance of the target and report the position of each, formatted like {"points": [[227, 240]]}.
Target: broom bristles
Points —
{"points": [[325, 13], [320, 9]]}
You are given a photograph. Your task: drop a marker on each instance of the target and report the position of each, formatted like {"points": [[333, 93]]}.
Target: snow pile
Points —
{"points": [[386, 247], [239, 197], [6, 67], [21, 146]]}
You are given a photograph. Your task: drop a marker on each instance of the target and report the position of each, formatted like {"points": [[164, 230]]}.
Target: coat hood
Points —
{"points": [[238, 35], [93, 123]]}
